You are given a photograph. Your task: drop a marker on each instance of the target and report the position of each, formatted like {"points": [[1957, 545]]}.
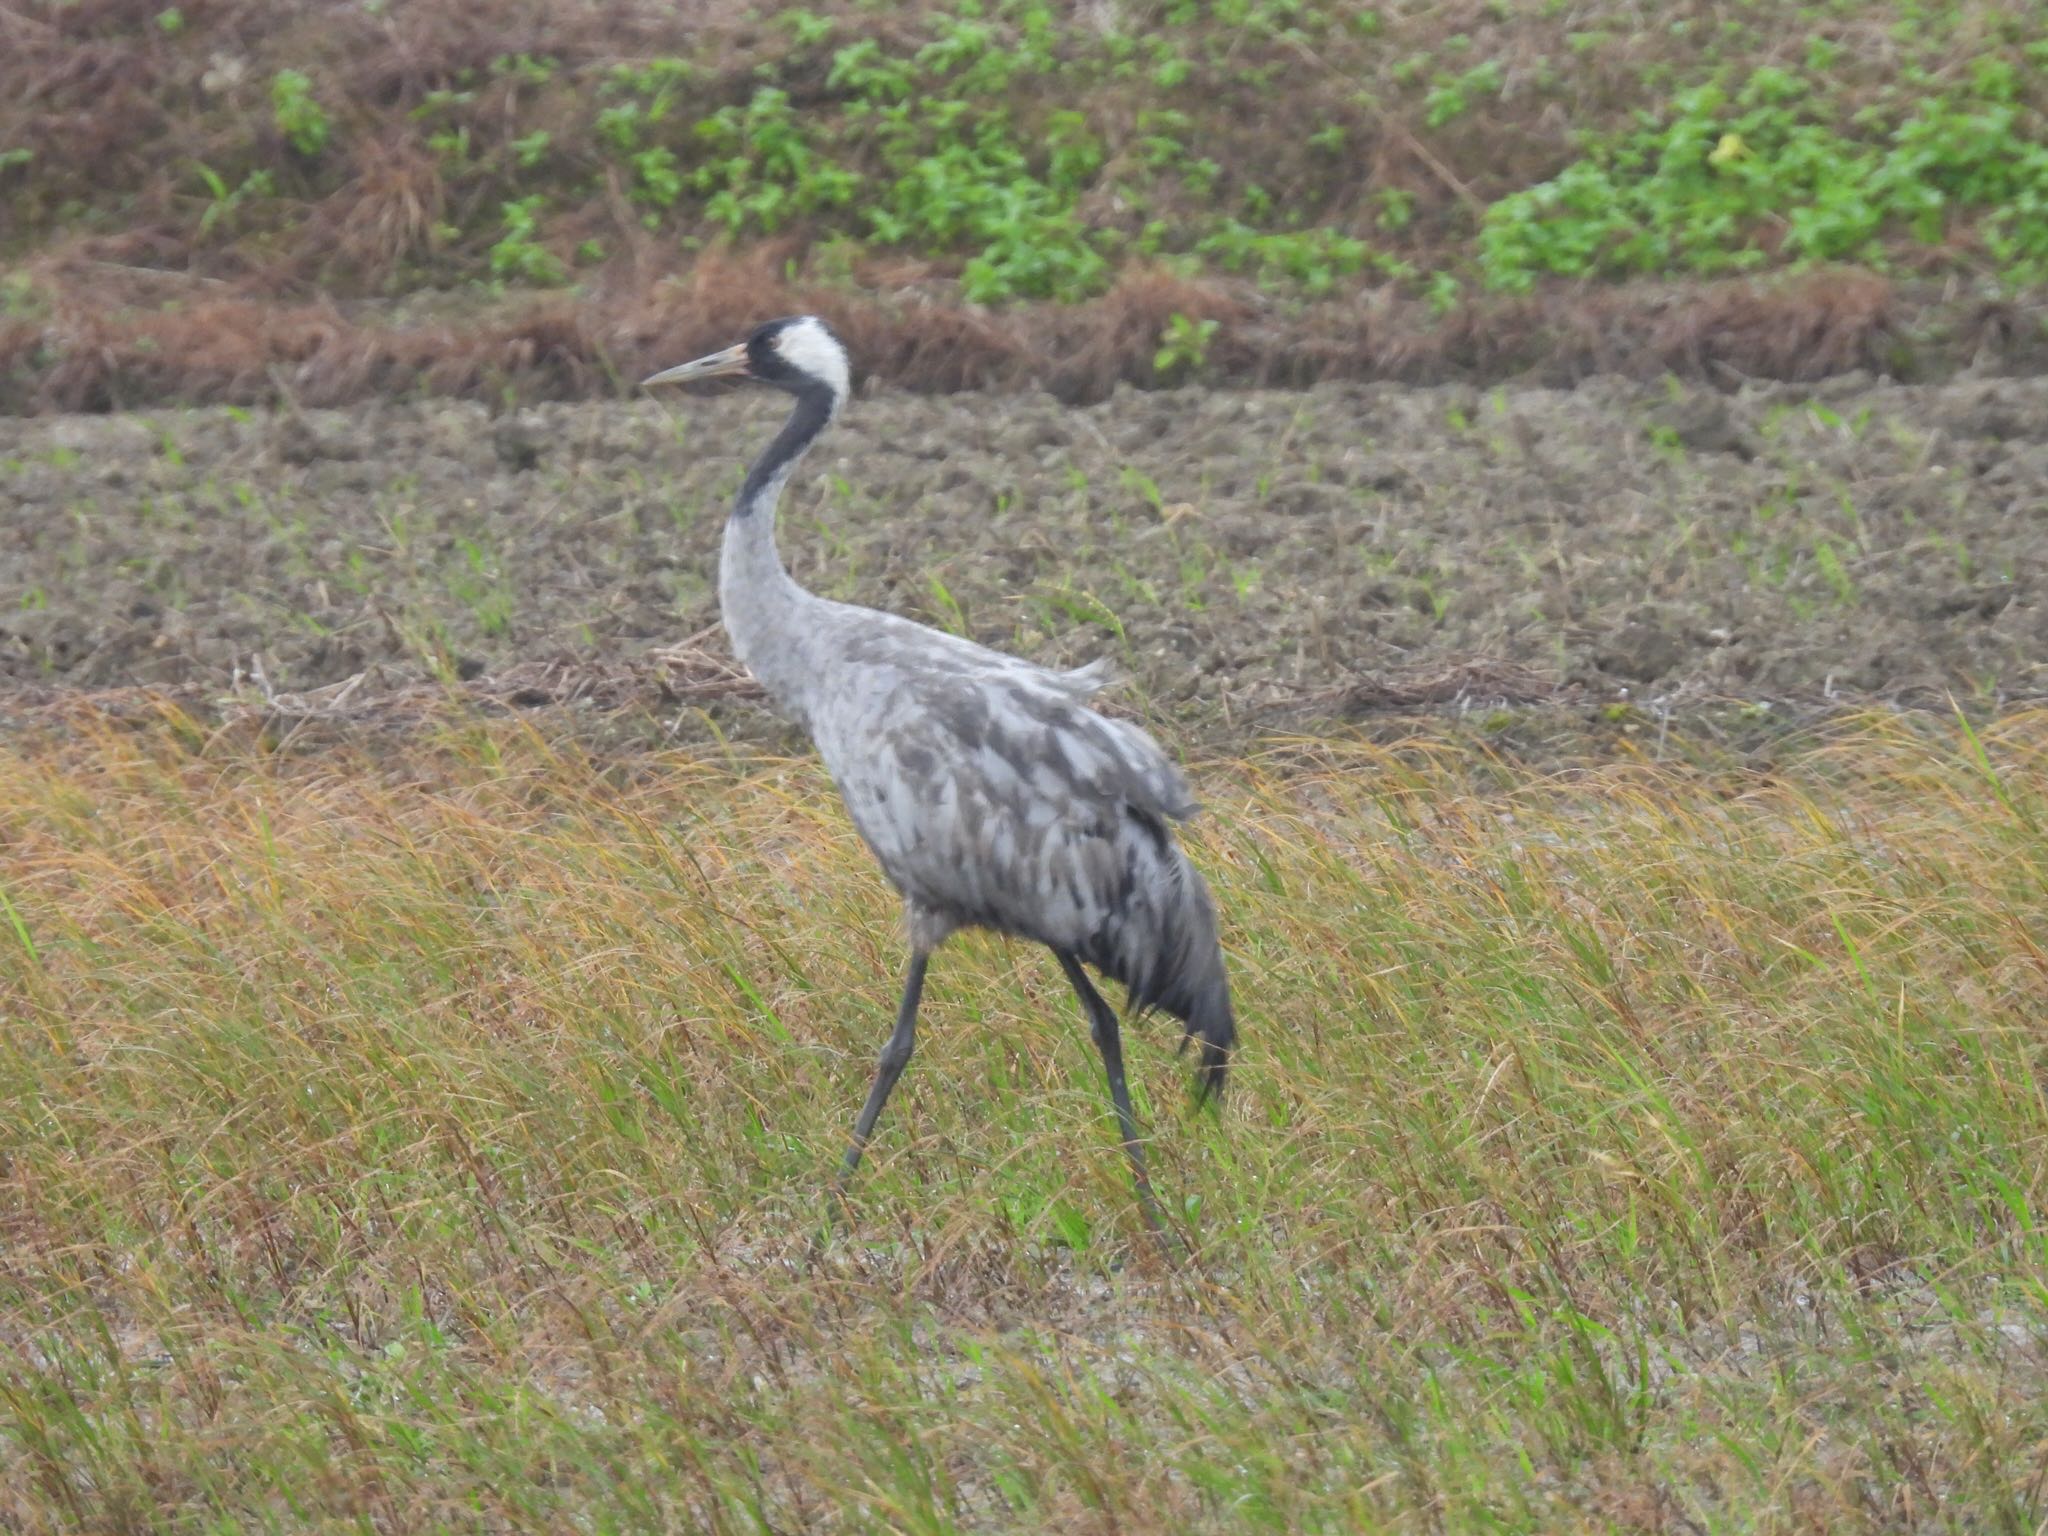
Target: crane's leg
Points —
{"points": [[1102, 1027], [895, 1057]]}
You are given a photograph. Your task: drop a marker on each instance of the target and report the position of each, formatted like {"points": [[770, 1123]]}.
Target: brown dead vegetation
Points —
{"points": [[101, 348]]}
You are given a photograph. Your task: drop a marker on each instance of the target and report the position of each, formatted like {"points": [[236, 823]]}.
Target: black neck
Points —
{"points": [[812, 415]]}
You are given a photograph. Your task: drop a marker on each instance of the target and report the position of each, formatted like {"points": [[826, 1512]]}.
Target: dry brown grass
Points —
{"points": [[387, 214], [93, 353], [432, 1141]]}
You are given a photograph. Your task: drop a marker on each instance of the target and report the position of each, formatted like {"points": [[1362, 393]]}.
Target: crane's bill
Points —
{"points": [[732, 360]]}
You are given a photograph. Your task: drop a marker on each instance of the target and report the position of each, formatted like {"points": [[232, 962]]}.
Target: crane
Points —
{"points": [[990, 792]]}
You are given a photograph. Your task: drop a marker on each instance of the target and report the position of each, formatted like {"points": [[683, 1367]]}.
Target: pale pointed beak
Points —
{"points": [[732, 360]]}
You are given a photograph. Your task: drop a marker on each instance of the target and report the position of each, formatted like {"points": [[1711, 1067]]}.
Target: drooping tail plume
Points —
{"points": [[1164, 950], [1212, 1026]]}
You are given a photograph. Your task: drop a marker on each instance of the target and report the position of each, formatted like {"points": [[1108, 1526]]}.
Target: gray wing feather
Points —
{"points": [[988, 789]]}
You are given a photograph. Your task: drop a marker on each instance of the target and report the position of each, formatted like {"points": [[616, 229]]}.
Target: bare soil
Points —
{"points": [[1255, 561]]}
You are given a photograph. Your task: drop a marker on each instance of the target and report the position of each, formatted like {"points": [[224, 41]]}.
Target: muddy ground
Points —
{"points": [[1253, 560]]}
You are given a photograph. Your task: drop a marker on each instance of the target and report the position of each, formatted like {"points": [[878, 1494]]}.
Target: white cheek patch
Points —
{"points": [[808, 346]]}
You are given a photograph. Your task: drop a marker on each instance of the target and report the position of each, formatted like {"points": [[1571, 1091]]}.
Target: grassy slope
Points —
{"points": [[1250, 166], [437, 1142]]}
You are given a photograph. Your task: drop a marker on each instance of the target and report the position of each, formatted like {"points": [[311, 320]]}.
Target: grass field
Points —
{"points": [[433, 1140]]}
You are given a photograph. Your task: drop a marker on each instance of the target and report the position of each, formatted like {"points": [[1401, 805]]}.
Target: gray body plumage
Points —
{"points": [[991, 793]]}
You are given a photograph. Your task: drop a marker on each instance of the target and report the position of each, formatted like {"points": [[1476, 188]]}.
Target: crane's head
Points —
{"points": [[798, 354]]}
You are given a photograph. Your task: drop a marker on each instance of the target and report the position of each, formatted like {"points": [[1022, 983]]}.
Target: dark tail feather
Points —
{"points": [[1213, 1027], [1167, 957]]}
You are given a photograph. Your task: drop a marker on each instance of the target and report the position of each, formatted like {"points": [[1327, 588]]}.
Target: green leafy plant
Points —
{"points": [[1183, 345], [1311, 259], [764, 170], [1730, 179], [869, 76], [1396, 209], [1452, 96], [518, 254], [807, 29], [657, 179], [299, 116], [225, 202]]}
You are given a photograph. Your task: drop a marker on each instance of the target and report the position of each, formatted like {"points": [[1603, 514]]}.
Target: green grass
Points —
{"points": [[435, 1141]]}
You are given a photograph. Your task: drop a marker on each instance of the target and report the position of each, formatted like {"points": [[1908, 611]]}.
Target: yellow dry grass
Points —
{"points": [[434, 1140]]}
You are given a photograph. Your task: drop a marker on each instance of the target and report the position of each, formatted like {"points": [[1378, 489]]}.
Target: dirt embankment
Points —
{"points": [[234, 201], [1252, 559], [118, 340]]}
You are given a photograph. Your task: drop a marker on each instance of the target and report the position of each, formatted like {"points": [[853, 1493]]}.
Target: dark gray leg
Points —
{"points": [[1102, 1028], [895, 1057]]}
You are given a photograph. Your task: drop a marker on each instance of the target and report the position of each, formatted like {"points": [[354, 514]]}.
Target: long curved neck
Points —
{"points": [[761, 605], [770, 472]]}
